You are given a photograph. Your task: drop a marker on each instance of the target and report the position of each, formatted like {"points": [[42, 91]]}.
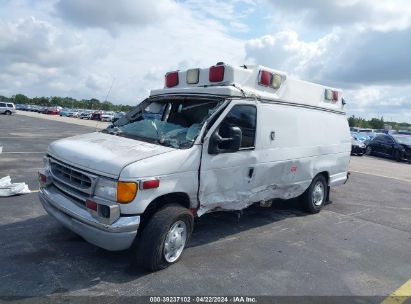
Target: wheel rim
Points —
{"points": [[175, 241], [318, 194]]}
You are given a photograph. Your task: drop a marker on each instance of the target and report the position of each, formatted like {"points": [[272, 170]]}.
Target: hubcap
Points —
{"points": [[318, 194], [175, 241]]}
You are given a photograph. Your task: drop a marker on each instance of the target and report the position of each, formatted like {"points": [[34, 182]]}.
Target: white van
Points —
{"points": [[220, 138], [7, 108]]}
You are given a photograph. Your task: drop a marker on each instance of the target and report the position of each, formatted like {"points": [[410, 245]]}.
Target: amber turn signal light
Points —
{"points": [[126, 192]]}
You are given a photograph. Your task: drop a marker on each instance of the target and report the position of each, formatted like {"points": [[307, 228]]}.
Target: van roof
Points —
{"points": [[251, 81]]}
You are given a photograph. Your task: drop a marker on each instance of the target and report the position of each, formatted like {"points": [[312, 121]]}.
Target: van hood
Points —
{"points": [[103, 153]]}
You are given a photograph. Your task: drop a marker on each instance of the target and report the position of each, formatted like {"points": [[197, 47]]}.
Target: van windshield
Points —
{"points": [[170, 122]]}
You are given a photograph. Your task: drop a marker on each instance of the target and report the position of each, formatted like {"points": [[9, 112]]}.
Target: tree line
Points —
{"points": [[377, 123], [66, 102]]}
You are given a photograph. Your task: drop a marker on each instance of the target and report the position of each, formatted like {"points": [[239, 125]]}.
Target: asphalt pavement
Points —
{"points": [[360, 243]]}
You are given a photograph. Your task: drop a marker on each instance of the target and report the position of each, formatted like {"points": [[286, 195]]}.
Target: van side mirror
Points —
{"points": [[231, 144]]}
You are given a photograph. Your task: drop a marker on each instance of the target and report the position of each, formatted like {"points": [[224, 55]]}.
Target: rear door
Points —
{"points": [[2, 107], [226, 178]]}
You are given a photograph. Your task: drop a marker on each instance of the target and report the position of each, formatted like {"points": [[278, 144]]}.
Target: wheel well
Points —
{"points": [[179, 198], [326, 175], [327, 178]]}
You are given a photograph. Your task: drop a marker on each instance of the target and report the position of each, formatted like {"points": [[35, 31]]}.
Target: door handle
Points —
{"points": [[250, 172]]}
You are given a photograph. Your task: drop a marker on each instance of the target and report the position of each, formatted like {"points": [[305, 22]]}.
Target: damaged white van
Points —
{"points": [[220, 138]]}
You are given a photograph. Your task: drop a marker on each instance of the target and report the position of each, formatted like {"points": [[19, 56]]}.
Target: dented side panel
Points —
{"points": [[292, 146]]}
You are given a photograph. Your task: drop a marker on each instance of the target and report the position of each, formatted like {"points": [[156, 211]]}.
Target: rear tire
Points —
{"points": [[7, 112], [164, 238], [315, 196], [397, 156]]}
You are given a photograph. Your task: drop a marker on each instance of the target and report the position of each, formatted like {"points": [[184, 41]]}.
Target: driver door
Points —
{"points": [[226, 176]]}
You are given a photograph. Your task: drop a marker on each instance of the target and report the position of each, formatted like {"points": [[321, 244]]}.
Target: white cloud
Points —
{"points": [[367, 14], [41, 57], [110, 15]]}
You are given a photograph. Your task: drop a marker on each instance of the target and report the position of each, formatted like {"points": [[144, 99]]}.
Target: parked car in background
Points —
{"points": [[397, 147], [107, 116], [357, 147], [118, 115], [20, 107], [53, 111], [64, 112], [7, 108], [96, 115], [73, 113], [43, 110], [85, 115]]}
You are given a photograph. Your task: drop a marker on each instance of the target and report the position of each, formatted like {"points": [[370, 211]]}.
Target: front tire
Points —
{"points": [[397, 156], [368, 151], [315, 196], [164, 238]]}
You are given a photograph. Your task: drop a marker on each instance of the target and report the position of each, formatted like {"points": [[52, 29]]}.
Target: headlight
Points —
{"points": [[106, 188]]}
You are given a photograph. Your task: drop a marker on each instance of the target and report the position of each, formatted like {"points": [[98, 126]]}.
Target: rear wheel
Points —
{"points": [[397, 155], [164, 238], [7, 112], [315, 196]]}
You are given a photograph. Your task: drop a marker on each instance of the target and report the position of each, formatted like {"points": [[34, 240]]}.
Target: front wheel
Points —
{"points": [[368, 151], [315, 196], [164, 238]]}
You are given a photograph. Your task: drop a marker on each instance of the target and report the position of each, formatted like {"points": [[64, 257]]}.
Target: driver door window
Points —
{"points": [[244, 117]]}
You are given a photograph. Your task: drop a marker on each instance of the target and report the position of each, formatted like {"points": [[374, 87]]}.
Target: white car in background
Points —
{"points": [[107, 116], [73, 113], [7, 108]]}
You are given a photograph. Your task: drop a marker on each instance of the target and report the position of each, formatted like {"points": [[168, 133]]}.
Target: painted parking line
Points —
{"points": [[381, 175], [35, 191], [24, 152], [399, 296]]}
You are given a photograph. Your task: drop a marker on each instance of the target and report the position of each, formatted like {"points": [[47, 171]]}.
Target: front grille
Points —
{"points": [[71, 180], [70, 176]]}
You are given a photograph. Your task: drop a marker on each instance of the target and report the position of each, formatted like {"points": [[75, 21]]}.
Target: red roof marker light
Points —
{"points": [[216, 73], [335, 95], [265, 78], [171, 79]]}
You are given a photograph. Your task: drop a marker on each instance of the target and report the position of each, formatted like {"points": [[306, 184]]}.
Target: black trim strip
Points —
{"points": [[285, 103]]}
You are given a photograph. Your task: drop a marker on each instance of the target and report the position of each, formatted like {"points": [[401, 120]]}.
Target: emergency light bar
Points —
{"points": [[269, 79], [331, 95]]}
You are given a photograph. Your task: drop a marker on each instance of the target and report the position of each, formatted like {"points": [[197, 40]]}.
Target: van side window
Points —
{"points": [[10, 105], [244, 117], [2, 104]]}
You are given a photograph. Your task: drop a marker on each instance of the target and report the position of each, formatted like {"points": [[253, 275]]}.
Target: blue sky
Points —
{"points": [[79, 47]]}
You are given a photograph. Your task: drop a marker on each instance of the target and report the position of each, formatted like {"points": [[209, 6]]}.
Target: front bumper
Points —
{"points": [[117, 236], [358, 150]]}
